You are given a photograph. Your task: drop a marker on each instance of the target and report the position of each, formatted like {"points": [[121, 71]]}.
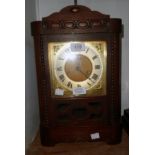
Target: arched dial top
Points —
{"points": [[78, 64]]}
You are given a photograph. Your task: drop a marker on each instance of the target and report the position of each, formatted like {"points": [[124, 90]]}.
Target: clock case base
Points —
{"points": [[79, 23], [73, 133]]}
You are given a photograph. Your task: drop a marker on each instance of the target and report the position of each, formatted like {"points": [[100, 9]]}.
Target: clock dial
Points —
{"points": [[78, 64]]}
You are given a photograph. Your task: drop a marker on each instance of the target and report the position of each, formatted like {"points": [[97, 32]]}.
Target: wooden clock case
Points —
{"points": [[76, 118]]}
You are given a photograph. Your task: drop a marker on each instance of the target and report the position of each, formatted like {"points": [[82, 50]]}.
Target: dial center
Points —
{"points": [[78, 69]]}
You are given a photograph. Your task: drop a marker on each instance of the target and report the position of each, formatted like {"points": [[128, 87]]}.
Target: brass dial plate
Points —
{"points": [[78, 64]]}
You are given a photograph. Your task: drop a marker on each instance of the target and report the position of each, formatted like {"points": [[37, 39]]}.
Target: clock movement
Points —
{"points": [[78, 55]]}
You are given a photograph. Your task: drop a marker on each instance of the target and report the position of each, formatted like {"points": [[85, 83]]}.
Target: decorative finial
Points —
{"points": [[75, 2]]}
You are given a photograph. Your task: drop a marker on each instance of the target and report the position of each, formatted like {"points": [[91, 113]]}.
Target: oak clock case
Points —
{"points": [[78, 73]]}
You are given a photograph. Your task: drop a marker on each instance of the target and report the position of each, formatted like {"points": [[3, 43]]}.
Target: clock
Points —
{"points": [[78, 55], [78, 68]]}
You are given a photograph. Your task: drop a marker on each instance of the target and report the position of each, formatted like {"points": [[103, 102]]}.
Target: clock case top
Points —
{"points": [[78, 23], [76, 19]]}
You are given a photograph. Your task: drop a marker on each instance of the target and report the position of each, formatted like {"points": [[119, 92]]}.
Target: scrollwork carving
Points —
{"points": [[75, 18]]}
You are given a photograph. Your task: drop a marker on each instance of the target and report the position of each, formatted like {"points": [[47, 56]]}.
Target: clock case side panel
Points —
{"points": [[41, 81], [114, 98], [115, 91]]}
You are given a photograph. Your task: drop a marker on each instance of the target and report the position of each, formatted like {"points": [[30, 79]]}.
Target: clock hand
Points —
{"points": [[78, 69]]}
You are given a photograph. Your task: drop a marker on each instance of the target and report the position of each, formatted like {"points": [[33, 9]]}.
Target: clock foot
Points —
{"points": [[44, 136], [115, 135]]}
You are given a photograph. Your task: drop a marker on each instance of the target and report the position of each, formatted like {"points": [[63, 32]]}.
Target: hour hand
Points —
{"points": [[78, 69]]}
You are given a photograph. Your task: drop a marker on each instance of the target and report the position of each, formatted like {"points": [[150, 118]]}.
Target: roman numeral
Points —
{"points": [[64, 54], [87, 50], [97, 66], [89, 84], [78, 85], [94, 57], [62, 78], [95, 76], [69, 84], [61, 58], [59, 68], [91, 80], [67, 50]]}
